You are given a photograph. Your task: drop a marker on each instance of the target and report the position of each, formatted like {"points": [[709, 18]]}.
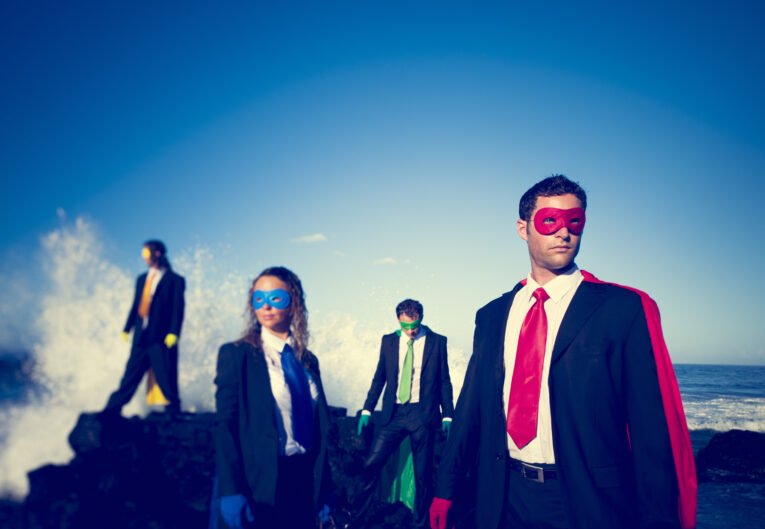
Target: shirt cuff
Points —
{"points": [[447, 419], [365, 412]]}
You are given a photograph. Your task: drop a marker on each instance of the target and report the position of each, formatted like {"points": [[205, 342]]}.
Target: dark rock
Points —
{"points": [[128, 473], [157, 473], [11, 514], [734, 456]]}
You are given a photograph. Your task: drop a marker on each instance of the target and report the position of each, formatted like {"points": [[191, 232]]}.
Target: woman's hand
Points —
{"points": [[232, 508]]}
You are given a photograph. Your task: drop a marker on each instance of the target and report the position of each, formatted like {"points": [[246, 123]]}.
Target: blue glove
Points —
{"points": [[363, 421], [324, 514], [232, 508]]}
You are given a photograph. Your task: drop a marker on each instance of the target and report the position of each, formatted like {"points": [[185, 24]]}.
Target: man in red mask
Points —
{"points": [[570, 415]]}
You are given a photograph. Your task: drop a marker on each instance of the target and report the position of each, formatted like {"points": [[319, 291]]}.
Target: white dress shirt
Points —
{"points": [[561, 290], [272, 348], [418, 348], [157, 277]]}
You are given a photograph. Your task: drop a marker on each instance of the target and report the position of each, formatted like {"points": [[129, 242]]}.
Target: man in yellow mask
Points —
{"points": [[155, 318]]}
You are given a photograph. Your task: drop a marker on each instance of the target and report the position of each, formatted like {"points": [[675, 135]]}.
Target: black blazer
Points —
{"points": [[165, 311], [435, 384], [246, 433], [610, 435]]}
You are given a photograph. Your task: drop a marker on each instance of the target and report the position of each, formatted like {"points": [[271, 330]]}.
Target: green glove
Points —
{"points": [[446, 427], [170, 340], [125, 336], [363, 421]]}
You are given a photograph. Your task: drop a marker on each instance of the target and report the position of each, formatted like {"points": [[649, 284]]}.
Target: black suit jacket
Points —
{"points": [[435, 384], [610, 435], [165, 311], [246, 434]]}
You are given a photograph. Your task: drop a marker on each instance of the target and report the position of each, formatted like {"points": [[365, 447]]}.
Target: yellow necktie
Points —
{"points": [[143, 307]]}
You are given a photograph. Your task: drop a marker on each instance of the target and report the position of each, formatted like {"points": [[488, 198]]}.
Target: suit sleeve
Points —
{"points": [[228, 453], [653, 463], [378, 381], [447, 397], [133, 314], [325, 487], [464, 432], [178, 306]]}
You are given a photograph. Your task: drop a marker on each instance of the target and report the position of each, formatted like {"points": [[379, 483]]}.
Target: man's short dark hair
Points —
{"points": [[552, 186], [411, 308]]}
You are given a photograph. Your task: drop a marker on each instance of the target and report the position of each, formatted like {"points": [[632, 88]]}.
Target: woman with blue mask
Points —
{"points": [[272, 416]]}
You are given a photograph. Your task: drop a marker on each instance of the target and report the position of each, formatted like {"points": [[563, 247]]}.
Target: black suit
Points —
{"points": [[416, 420], [149, 350], [246, 434], [610, 435]]}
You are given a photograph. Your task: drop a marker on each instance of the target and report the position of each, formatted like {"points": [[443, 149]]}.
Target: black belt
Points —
{"points": [[533, 472]]}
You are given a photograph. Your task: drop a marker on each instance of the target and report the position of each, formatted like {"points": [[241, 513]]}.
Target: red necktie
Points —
{"points": [[523, 404]]}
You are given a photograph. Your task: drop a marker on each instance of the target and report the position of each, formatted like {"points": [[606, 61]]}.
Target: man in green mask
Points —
{"points": [[414, 371]]}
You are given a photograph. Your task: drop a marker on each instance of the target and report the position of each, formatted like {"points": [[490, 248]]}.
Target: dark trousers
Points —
{"points": [[532, 505], [164, 363], [293, 505], [406, 420]]}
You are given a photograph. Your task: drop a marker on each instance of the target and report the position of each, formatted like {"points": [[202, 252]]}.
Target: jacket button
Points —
{"points": [[499, 456]]}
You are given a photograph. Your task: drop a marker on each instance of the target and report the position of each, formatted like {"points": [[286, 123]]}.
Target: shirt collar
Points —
{"points": [[420, 334], [558, 287], [272, 343]]}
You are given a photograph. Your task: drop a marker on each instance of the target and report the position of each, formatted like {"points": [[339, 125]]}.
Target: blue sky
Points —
{"points": [[404, 133]]}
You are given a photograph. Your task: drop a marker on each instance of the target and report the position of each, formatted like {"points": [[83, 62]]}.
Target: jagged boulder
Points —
{"points": [[128, 473], [733, 456], [157, 473]]}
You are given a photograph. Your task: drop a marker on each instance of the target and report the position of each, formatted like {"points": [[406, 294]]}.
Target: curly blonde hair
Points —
{"points": [[298, 313]]}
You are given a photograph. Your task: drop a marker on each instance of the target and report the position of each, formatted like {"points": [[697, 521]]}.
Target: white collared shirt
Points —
{"points": [[418, 348], [157, 277], [272, 349], [561, 290]]}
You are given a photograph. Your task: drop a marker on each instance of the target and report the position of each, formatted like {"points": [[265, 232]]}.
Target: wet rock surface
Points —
{"points": [[733, 456], [156, 472]]}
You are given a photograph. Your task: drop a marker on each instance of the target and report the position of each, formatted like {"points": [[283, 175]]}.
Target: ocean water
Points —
{"points": [[718, 398]]}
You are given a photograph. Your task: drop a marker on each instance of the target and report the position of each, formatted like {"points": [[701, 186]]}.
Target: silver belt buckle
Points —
{"points": [[537, 475]]}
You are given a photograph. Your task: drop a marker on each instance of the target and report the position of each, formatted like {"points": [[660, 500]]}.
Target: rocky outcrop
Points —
{"points": [[734, 456], [157, 473]]}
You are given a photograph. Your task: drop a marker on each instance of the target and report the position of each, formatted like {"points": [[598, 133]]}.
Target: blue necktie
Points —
{"points": [[300, 392]]}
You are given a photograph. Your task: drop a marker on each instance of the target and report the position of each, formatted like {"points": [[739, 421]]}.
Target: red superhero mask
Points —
{"points": [[549, 220]]}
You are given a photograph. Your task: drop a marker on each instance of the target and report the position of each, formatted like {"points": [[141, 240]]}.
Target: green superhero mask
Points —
{"points": [[410, 326]]}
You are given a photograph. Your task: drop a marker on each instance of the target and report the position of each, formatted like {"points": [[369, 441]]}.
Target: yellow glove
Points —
{"points": [[170, 340], [125, 336]]}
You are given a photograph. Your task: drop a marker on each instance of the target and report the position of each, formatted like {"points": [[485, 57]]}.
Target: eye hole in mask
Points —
{"points": [[277, 298], [549, 220]]}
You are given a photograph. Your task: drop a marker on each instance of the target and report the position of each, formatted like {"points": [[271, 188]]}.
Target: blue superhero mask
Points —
{"points": [[278, 298]]}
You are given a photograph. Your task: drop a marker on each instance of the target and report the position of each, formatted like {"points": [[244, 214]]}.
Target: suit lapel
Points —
{"points": [[162, 282], [587, 298], [393, 358], [497, 327], [427, 352]]}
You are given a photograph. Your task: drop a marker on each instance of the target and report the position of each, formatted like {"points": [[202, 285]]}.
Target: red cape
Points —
{"points": [[685, 466]]}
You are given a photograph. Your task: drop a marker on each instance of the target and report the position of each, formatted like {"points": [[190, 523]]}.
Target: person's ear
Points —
{"points": [[523, 226]]}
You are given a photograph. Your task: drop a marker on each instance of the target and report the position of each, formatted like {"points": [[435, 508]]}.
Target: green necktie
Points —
{"points": [[405, 388]]}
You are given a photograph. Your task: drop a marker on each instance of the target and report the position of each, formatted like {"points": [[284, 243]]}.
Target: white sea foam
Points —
{"points": [[80, 354], [725, 413]]}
